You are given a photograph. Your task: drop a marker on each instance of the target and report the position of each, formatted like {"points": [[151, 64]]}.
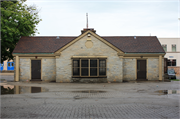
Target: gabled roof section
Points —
{"points": [[92, 32], [41, 44], [122, 44], [140, 44]]}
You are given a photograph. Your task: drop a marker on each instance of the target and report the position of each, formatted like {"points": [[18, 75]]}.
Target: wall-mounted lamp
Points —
{"points": [[141, 56], [36, 57]]}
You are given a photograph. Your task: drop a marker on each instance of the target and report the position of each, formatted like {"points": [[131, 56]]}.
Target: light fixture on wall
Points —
{"points": [[36, 57], [141, 56]]}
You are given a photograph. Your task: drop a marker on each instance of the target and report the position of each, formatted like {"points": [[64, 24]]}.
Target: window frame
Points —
{"points": [[173, 46], [164, 45], [89, 67]]}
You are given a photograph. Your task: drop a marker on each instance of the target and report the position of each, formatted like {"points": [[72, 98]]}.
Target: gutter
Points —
{"points": [[33, 53], [145, 53]]}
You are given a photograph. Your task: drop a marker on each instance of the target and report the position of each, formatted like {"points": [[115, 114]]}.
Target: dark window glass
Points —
{"points": [[174, 63], [76, 71], [85, 67], [12, 64], [102, 63], [84, 63], [84, 71], [169, 63], [102, 71], [93, 63], [9, 64], [93, 71], [75, 63], [102, 67]]}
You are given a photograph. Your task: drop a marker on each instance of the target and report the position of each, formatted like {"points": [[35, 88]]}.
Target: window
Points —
{"points": [[89, 68], [173, 48], [164, 47], [171, 62]]}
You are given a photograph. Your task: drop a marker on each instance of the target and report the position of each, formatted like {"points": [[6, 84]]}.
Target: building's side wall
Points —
{"points": [[129, 69], [153, 69], [14, 69], [163, 68], [48, 69], [24, 66], [64, 62]]}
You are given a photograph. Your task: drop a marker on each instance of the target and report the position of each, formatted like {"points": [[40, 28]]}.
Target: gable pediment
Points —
{"points": [[89, 35]]}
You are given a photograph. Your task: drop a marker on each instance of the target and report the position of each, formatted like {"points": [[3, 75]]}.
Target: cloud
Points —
{"points": [[67, 18]]}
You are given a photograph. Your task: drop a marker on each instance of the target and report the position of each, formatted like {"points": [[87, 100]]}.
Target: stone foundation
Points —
{"points": [[89, 80]]}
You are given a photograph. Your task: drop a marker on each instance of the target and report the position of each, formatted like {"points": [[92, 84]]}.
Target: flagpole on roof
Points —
{"points": [[87, 19]]}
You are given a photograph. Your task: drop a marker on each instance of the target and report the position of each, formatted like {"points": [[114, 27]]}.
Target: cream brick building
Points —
{"points": [[172, 49], [89, 58]]}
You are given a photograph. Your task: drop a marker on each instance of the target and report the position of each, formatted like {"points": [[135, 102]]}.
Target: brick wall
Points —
{"points": [[176, 69]]}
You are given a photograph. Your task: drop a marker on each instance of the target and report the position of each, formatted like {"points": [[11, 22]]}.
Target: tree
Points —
{"points": [[17, 19]]}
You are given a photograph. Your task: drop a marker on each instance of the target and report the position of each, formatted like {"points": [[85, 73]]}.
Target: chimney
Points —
{"points": [[86, 29]]}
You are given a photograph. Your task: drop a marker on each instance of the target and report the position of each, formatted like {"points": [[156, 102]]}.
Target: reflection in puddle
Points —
{"points": [[166, 92], [11, 89], [89, 91]]}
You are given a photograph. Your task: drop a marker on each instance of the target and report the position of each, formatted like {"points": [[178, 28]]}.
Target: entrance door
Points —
{"points": [[36, 69], [141, 70]]}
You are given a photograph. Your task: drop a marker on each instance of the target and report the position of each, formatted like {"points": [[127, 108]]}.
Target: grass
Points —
{"points": [[175, 79], [2, 79]]}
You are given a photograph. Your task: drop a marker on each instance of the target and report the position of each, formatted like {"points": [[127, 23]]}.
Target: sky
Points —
{"points": [[109, 17]]}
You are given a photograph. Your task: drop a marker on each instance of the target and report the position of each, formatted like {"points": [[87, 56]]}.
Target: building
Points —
{"points": [[172, 48], [7, 65], [89, 58]]}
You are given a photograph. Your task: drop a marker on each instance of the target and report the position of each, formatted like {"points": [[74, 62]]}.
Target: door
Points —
{"points": [[165, 65], [36, 69], [141, 69]]}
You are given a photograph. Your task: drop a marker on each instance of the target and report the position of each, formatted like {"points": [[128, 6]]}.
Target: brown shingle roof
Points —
{"points": [[41, 44], [142, 44]]}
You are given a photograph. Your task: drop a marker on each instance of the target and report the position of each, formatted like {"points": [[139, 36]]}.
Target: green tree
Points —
{"points": [[17, 19]]}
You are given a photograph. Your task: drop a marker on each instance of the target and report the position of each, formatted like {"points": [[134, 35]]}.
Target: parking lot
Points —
{"points": [[105, 100]]}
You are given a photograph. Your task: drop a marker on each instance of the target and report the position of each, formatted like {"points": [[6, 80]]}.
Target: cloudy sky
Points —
{"points": [[109, 17]]}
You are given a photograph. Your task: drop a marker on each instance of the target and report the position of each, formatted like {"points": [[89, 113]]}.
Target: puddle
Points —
{"points": [[89, 91], [167, 92], [12, 89]]}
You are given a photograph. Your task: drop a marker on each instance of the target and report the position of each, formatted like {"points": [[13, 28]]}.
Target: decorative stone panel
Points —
{"points": [[24, 65], [48, 69], [153, 69], [129, 69]]}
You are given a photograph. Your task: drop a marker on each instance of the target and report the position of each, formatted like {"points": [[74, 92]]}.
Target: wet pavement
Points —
{"points": [[8, 78], [15, 89], [106, 100]]}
